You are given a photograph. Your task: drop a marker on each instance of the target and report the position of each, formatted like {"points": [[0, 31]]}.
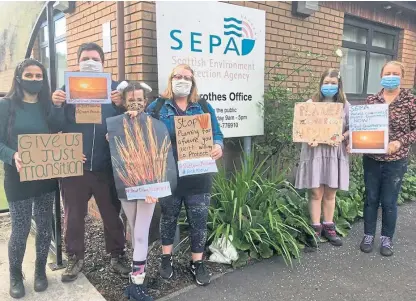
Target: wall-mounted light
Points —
{"points": [[387, 7], [67, 7], [304, 8]]}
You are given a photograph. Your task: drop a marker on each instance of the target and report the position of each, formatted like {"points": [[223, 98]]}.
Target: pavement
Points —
{"points": [[332, 273], [340, 274], [79, 290]]}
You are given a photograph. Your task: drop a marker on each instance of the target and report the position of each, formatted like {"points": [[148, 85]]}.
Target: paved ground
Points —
{"points": [[331, 274], [81, 289]]}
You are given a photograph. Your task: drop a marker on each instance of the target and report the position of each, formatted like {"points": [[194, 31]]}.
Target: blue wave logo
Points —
{"points": [[240, 29]]}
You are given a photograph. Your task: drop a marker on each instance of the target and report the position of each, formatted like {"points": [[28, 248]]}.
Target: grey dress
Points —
{"points": [[324, 164]]}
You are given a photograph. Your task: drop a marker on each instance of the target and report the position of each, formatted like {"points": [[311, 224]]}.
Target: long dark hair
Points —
{"points": [[340, 96], [16, 95]]}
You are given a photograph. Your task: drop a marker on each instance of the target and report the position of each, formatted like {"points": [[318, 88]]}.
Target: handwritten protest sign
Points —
{"points": [[369, 129], [88, 88], [48, 156], [194, 144], [88, 114], [319, 122]]}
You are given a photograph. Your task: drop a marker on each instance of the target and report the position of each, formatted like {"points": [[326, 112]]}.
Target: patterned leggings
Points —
{"points": [[197, 213], [21, 214]]}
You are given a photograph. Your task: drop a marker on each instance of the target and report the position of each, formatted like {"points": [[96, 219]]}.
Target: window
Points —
{"points": [[60, 48], [366, 48]]}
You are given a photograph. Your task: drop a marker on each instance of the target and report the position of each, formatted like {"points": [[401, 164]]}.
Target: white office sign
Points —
{"points": [[225, 46]]}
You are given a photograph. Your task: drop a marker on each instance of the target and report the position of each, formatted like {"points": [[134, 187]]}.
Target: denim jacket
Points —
{"points": [[168, 112]]}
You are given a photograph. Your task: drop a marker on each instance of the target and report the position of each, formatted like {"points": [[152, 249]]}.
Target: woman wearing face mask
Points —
{"points": [[181, 99], [383, 174], [24, 110], [323, 169]]}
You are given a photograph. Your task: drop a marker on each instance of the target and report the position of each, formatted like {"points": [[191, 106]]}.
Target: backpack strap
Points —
{"points": [[159, 104], [204, 105]]}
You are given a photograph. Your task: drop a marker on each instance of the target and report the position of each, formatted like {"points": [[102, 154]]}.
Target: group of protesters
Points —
{"points": [[30, 108], [323, 168]]}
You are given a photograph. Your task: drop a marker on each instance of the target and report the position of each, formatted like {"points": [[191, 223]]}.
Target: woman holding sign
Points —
{"points": [[24, 110], [383, 174], [181, 99], [323, 169]]}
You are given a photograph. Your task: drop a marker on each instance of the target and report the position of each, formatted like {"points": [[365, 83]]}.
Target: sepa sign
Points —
{"points": [[225, 46]]}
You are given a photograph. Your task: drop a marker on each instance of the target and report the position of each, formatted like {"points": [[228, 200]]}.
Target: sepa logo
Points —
{"points": [[239, 37]]}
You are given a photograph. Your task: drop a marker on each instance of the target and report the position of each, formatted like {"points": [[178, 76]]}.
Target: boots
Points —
{"points": [[17, 289], [41, 282], [136, 291]]}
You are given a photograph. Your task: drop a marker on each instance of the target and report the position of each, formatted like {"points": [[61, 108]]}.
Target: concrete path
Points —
{"points": [[331, 274], [79, 290]]}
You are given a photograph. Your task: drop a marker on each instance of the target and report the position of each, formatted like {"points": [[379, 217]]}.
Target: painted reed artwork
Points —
{"points": [[140, 152]]}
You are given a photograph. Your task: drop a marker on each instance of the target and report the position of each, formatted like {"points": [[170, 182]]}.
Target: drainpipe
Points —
{"points": [[120, 41]]}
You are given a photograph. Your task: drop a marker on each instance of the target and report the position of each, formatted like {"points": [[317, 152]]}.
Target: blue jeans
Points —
{"points": [[383, 181]]}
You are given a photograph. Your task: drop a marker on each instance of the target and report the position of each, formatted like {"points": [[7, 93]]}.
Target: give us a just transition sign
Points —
{"points": [[225, 46]]}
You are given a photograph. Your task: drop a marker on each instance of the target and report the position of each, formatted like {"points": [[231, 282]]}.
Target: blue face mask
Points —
{"points": [[329, 90], [390, 82]]}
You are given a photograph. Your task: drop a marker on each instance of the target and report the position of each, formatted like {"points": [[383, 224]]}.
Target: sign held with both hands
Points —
{"points": [[49, 156], [319, 122], [194, 144], [369, 129]]}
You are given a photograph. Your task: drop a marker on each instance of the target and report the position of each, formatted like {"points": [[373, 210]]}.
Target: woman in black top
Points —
{"points": [[24, 110]]}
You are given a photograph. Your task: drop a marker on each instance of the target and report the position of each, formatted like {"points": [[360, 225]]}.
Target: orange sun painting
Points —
{"points": [[88, 88], [368, 140]]}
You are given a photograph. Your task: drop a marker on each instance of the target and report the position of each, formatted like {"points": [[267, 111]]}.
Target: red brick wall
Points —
{"points": [[85, 25], [375, 12], [320, 33]]}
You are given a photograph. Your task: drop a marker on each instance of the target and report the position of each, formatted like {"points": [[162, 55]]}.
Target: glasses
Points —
{"points": [[180, 76]]}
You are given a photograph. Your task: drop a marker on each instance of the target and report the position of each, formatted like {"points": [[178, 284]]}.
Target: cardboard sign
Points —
{"points": [[88, 114], [141, 156], [194, 144], [48, 156], [369, 129], [319, 122], [88, 88]]}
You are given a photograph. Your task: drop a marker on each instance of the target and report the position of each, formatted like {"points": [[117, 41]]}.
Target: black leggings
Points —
{"points": [[197, 212], [21, 214]]}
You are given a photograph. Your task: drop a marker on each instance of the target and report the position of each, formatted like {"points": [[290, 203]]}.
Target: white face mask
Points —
{"points": [[181, 87], [90, 66]]}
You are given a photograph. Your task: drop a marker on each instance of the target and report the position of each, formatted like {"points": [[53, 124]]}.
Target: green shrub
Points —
{"points": [[260, 210]]}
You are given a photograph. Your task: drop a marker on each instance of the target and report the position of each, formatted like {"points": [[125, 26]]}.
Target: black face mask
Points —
{"points": [[31, 86]]}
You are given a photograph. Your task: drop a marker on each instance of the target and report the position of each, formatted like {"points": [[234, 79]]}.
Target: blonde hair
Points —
{"points": [[395, 63], [340, 96], [168, 93]]}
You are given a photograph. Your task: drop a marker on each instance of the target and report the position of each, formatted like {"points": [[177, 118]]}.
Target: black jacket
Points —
{"points": [[95, 145]]}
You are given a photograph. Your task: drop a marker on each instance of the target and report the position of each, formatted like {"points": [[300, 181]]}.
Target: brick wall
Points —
{"points": [[320, 33], [85, 25], [141, 56], [407, 41]]}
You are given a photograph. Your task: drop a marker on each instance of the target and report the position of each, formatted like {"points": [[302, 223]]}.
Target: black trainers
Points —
{"points": [[330, 233], [367, 244], [200, 273], [166, 266], [73, 268], [117, 266], [17, 289], [386, 248], [313, 241], [136, 291], [41, 281]]}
